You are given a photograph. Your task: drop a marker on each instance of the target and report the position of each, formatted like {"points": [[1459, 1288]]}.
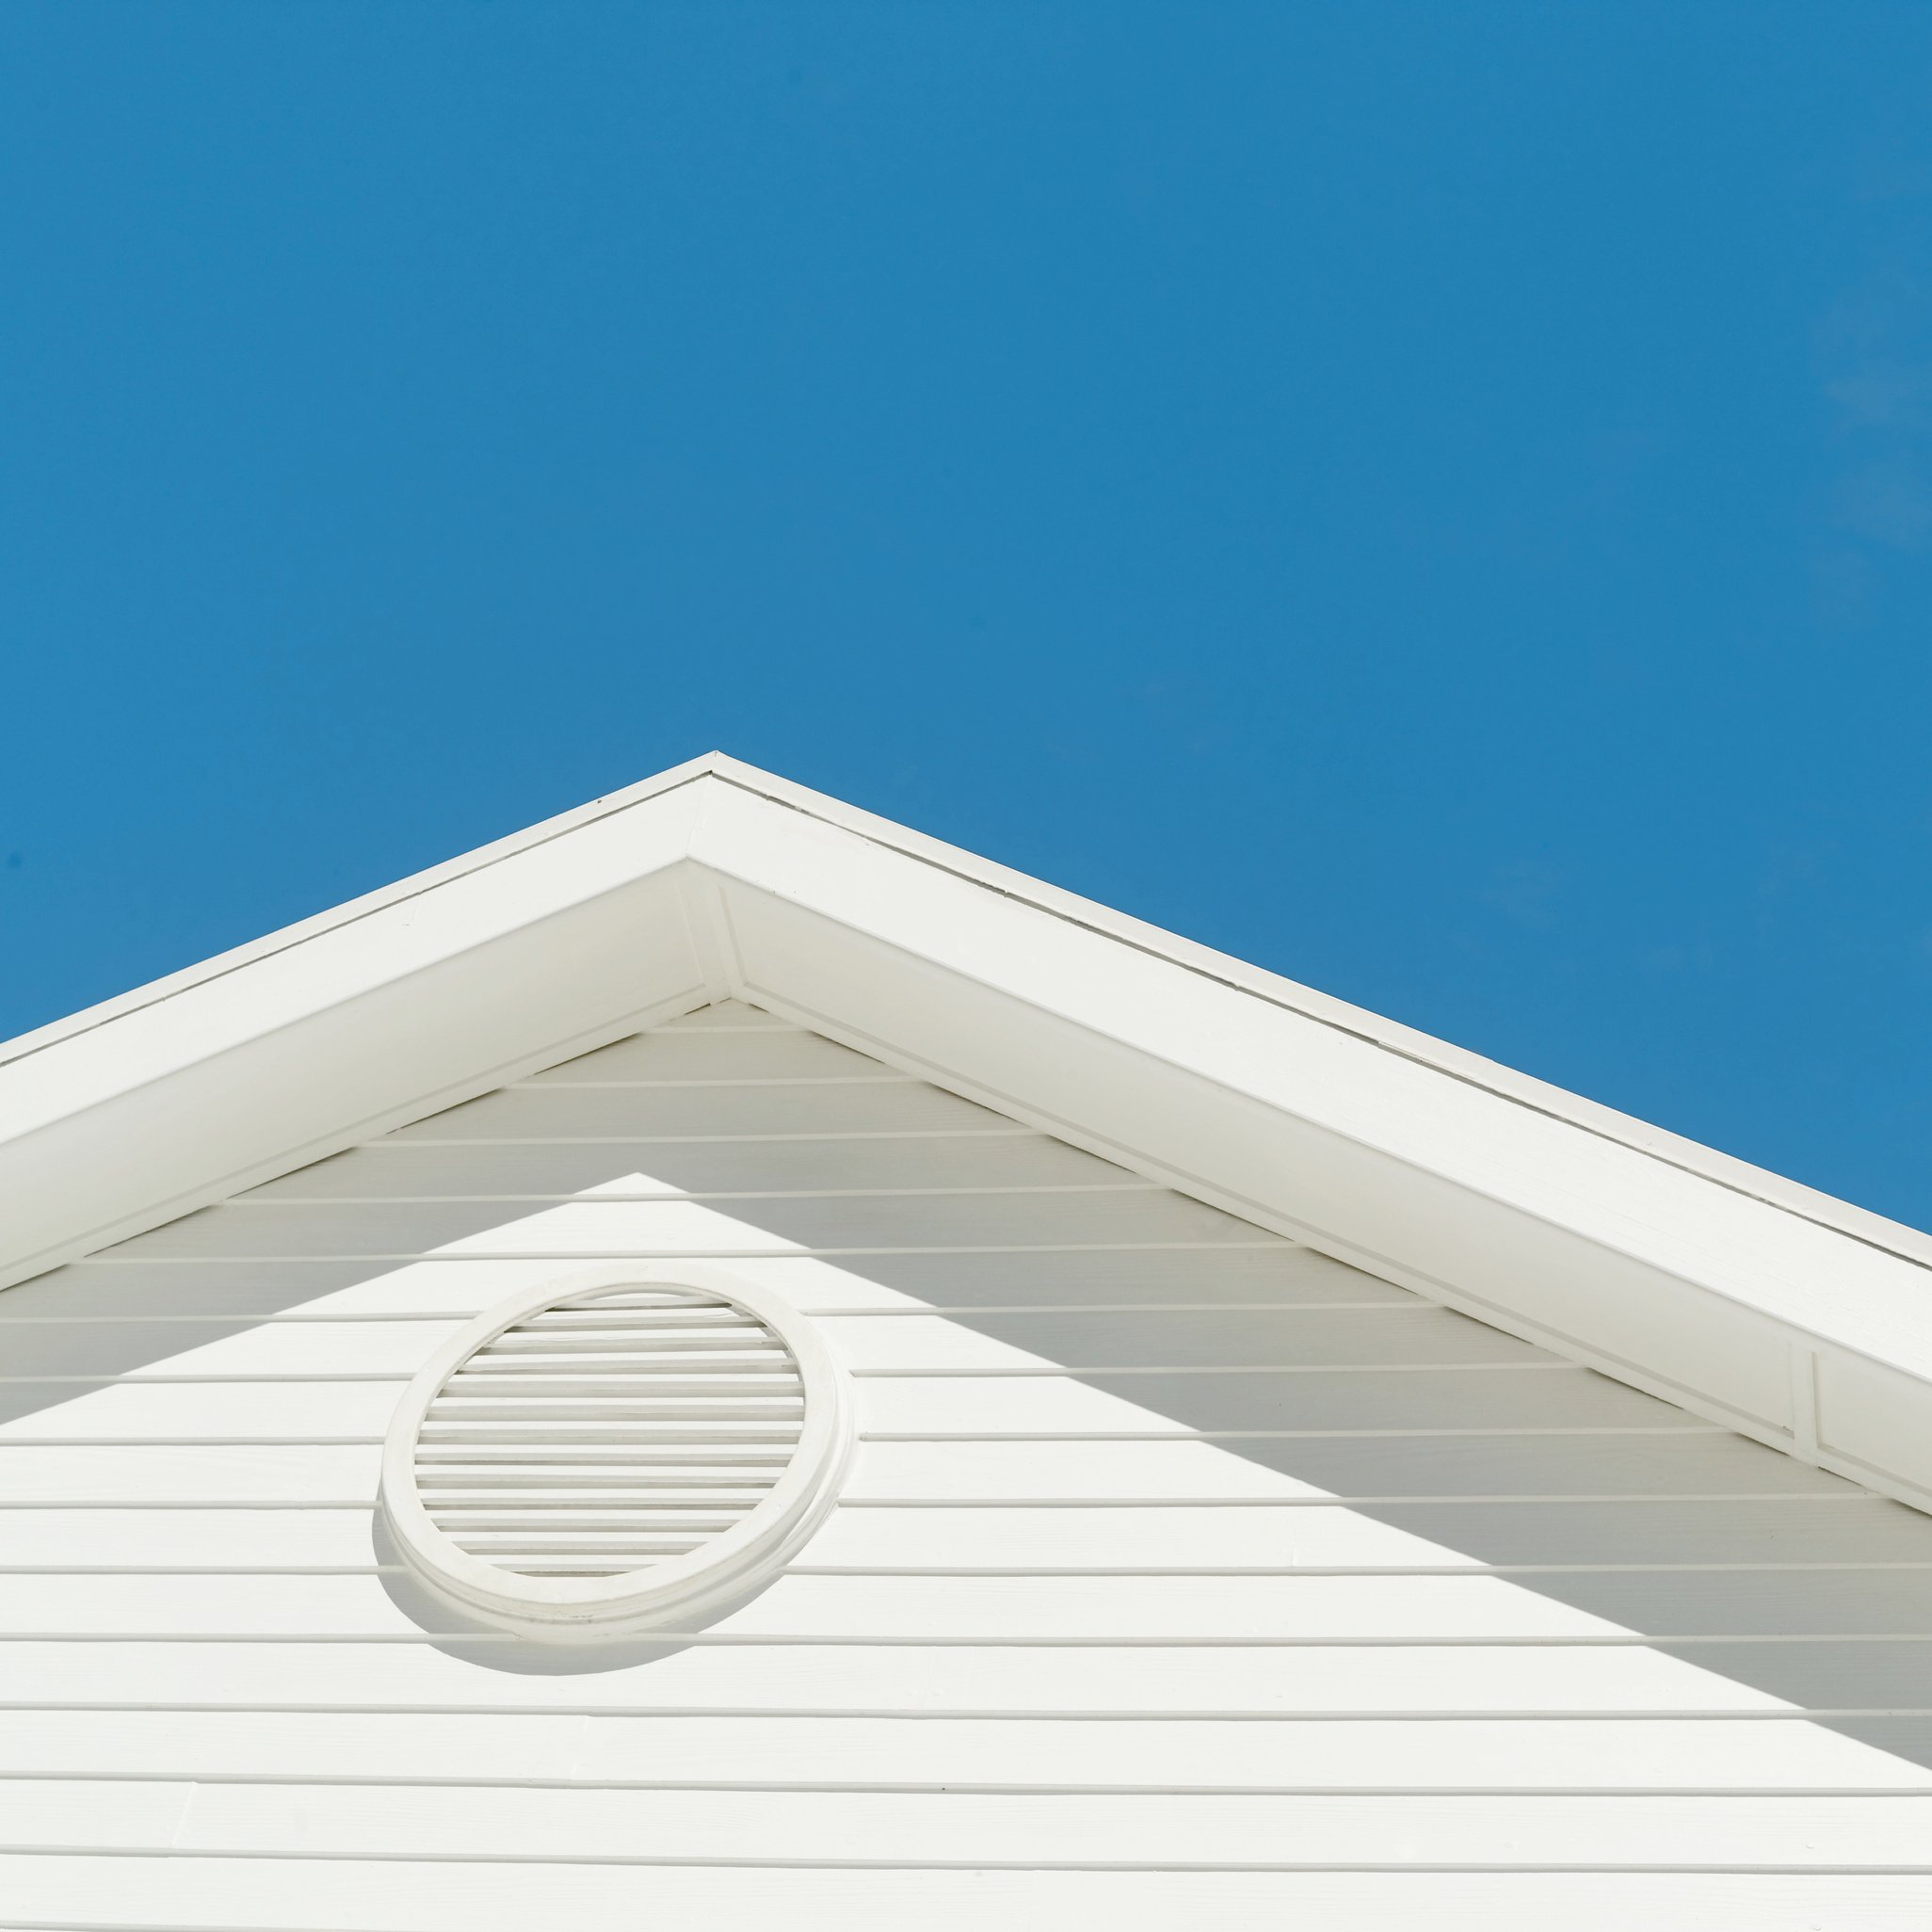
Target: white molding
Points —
{"points": [[351, 911], [1404, 1042], [397, 1009], [1673, 1267]]}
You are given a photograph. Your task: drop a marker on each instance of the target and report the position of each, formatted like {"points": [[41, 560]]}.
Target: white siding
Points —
{"points": [[1181, 1571]]}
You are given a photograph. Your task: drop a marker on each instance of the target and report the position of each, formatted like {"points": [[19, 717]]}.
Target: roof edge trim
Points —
{"points": [[333, 918]]}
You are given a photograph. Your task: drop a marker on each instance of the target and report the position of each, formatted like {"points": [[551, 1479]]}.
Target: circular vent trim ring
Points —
{"points": [[676, 1591]]}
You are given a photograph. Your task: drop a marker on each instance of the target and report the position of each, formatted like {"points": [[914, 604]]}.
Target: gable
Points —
{"points": [[1758, 1304], [1173, 1552]]}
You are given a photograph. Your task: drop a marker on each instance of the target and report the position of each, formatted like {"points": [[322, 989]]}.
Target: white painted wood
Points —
{"points": [[1084, 1471], [987, 1609], [1040, 1472], [123, 1288], [675, 1056], [756, 1223], [329, 1022], [1304, 1341], [1018, 1755], [887, 1104], [407, 1170], [969, 1829], [143, 1410], [982, 1682], [1649, 1532], [1533, 1537], [40, 1815], [184, 1893], [1167, 1544], [1255, 1404], [297, 1475], [1444, 1412], [180, 1537], [1165, 1610], [343, 1350]]}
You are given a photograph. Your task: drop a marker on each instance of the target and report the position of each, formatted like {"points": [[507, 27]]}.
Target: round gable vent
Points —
{"points": [[621, 1450]]}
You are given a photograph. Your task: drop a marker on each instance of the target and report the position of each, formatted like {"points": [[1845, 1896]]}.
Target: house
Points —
{"points": [[722, 1363]]}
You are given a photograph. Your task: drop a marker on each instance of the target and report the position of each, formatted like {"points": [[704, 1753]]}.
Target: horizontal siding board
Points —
{"points": [[997, 1609], [564, 1113], [140, 1408], [1211, 1277], [1648, 1534], [1179, 1609], [59, 1815], [1103, 1470], [768, 1053], [1287, 1404], [1726, 1603], [766, 1223], [985, 1609], [183, 1893], [137, 1410], [1662, 1529], [1023, 1472], [298, 1474], [1289, 1340], [227, 1539], [1546, 1466], [983, 1682], [1181, 1755], [1654, 1532], [333, 1349], [1203, 1275], [1050, 1829], [1020, 1471], [120, 1293], [1433, 1398], [1413, 1333], [1852, 1674], [400, 1170], [1502, 1395]]}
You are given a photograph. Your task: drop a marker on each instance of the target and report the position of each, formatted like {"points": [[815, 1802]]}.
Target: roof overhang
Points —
{"points": [[1797, 1319]]}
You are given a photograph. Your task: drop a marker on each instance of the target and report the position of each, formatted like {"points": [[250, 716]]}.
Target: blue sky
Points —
{"points": [[1435, 499]]}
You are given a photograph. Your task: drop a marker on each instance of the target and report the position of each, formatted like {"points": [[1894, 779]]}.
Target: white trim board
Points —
{"points": [[1761, 1304]]}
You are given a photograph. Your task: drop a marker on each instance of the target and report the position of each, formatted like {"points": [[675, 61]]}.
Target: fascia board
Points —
{"points": [[1802, 1333], [362, 1020], [1523, 1090], [479, 859]]}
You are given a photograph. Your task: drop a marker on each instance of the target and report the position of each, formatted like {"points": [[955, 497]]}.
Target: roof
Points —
{"points": [[1794, 1318]]}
